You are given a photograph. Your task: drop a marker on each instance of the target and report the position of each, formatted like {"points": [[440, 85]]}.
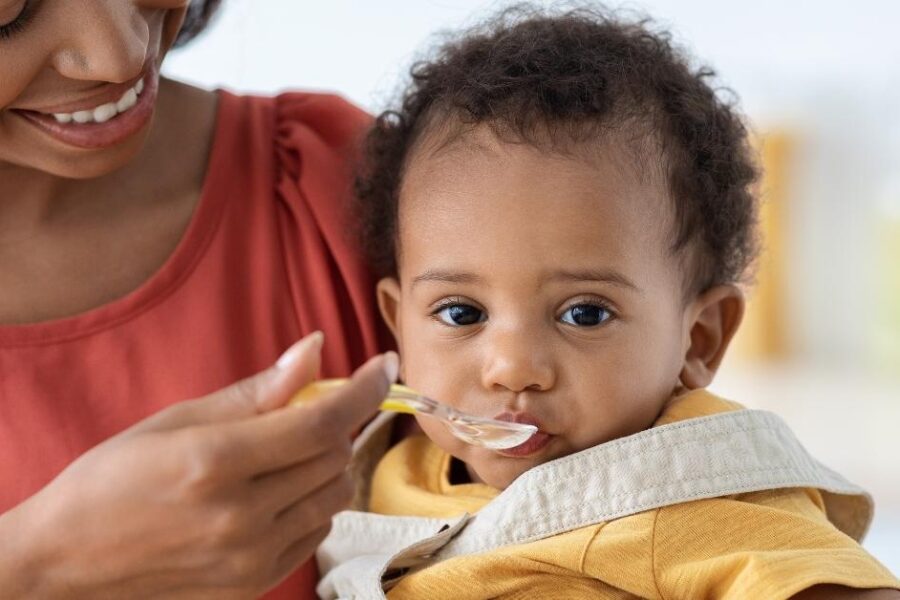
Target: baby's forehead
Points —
{"points": [[612, 162], [633, 148], [600, 187]]}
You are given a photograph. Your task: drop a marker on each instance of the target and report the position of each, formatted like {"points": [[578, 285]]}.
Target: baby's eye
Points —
{"points": [[585, 315], [457, 315]]}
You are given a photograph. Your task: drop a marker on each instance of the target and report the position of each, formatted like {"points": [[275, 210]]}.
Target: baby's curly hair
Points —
{"points": [[533, 76]]}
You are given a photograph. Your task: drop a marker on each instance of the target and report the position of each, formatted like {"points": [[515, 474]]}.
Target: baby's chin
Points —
{"points": [[489, 466], [498, 471]]}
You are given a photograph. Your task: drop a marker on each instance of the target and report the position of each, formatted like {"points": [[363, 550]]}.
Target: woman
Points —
{"points": [[158, 243]]}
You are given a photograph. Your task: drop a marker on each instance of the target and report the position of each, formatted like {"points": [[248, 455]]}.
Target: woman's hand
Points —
{"points": [[220, 497]]}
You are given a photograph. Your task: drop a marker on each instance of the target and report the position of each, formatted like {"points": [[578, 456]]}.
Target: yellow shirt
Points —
{"points": [[769, 544]]}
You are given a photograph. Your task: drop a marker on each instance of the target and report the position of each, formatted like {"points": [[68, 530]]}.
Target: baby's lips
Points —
{"points": [[519, 417]]}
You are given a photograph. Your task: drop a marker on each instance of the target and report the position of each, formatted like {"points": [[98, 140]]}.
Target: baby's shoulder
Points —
{"points": [[730, 520], [766, 544], [737, 518]]}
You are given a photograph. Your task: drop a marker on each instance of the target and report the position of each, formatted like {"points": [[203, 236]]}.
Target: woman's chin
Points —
{"points": [[78, 163]]}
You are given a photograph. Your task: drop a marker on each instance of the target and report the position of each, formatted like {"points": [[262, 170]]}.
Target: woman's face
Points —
{"points": [[79, 80]]}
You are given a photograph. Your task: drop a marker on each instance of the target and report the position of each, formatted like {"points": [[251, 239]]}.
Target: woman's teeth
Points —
{"points": [[104, 112]]}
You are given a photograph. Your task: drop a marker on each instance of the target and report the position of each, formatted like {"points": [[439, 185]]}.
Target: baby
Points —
{"points": [[563, 212]]}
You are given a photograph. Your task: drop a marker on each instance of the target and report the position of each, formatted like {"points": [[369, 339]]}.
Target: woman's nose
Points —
{"points": [[108, 42], [517, 361]]}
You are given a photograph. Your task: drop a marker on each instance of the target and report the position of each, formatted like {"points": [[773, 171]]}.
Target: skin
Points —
{"points": [[79, 228], [217, 497], [534, 250], [494, 232]]}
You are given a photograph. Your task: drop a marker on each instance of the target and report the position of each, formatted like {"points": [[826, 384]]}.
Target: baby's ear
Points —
{"points": [[388, 295], [712, 320]]}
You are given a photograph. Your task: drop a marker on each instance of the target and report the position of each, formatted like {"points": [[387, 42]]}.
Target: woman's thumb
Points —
{"points": [[267, 390], [297, 367], [260, 393]]}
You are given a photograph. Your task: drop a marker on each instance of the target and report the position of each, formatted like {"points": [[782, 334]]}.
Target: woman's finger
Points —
{"points": [[296, 368], [313, 512], [352, 405], [285, 437], [260, 393], [276, 491]]}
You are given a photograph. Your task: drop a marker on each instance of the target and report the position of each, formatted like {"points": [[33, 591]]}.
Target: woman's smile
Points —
{"points": [[83, 107], [102, 120]]}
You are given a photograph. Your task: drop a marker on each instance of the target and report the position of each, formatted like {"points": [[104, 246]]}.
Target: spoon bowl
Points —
{"points": [[477, 431]]}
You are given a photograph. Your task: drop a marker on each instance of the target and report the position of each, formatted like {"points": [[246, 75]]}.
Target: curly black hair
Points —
{"points": [[576, 75], [199, 14]]}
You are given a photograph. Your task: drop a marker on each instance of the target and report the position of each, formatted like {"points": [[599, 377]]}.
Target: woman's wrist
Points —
{"points": [[23, 562]]}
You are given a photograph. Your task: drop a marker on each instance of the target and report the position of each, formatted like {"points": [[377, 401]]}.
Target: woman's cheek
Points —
{"points": [[165, 4], [173, 19], [9, 89], [18, 68]]}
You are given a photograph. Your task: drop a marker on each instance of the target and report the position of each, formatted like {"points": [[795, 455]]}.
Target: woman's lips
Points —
{"points": [[110, 92], [102, 135], [530, 446]]}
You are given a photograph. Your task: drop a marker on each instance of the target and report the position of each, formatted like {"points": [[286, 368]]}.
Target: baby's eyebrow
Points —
{"points": [[447, 277], [604, 276], [611, 277]]}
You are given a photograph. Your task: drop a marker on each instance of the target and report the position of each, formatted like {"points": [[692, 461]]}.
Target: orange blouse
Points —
{"points": [[266, 259]]}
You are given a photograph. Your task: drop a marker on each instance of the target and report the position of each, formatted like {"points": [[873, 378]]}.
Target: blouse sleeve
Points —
{"points": [[317, 138]]}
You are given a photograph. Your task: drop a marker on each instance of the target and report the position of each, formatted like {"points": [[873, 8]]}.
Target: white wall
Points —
{"points": [[767, 49]]}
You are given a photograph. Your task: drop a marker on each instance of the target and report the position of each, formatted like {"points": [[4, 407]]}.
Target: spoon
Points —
{"points": [[478, 431]]}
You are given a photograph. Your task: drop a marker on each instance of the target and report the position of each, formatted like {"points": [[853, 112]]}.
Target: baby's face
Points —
{"points": [[536, 288]]}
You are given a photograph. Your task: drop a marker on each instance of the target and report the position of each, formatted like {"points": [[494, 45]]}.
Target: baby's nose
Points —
{"points": [[517, 361]]}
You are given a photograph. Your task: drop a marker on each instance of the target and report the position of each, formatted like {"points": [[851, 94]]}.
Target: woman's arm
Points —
{"points": [[218, 497]]}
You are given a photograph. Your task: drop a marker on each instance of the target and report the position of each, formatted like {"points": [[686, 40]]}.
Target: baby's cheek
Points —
{"points": [[622, 417], [440, 435], [489, 467]]}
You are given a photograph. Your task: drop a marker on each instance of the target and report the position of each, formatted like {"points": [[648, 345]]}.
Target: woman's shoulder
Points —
{"points": [[294, 122], [330, 117], [283, 167], [305, 143]]}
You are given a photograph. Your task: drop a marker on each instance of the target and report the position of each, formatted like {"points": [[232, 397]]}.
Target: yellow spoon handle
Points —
{"points": [[323, 386]]}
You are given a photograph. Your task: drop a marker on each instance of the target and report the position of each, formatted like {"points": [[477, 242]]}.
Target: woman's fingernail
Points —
{"points": [[312, 342], [391, 366]]}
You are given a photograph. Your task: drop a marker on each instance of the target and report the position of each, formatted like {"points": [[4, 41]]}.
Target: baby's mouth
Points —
{"points": [[532, 445], [518, 417]]}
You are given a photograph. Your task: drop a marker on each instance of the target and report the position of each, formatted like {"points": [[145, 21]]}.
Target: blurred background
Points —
{"points": [[820, 82]]}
